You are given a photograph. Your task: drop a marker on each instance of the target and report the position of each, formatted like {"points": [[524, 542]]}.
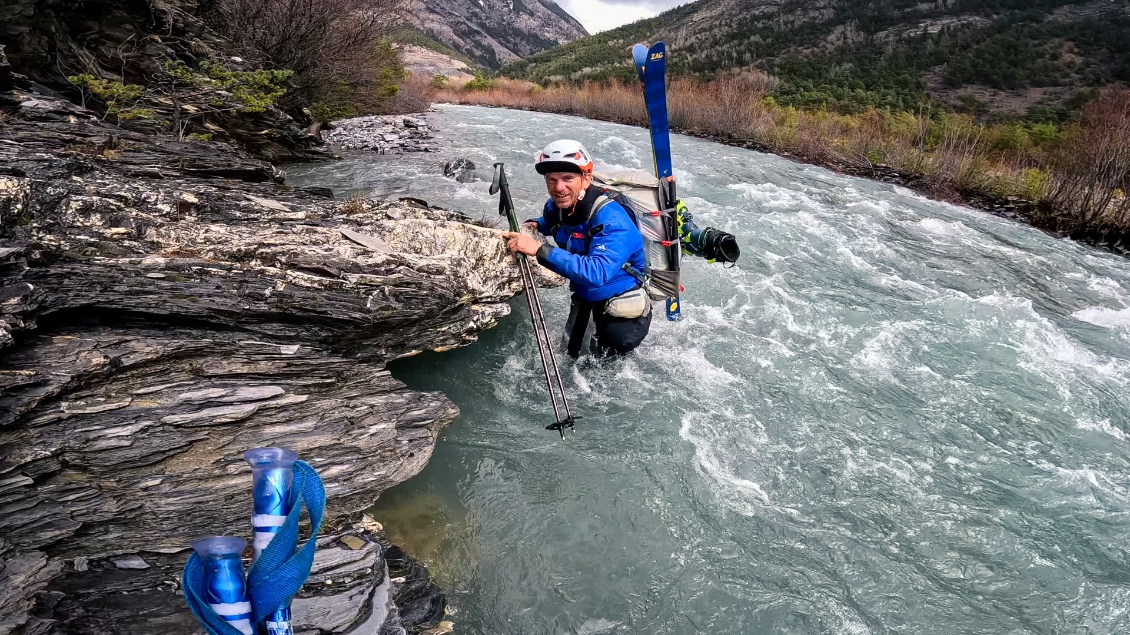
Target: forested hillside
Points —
{"points": [[1034, 58]]}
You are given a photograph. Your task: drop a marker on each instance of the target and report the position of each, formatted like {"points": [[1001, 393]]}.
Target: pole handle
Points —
{"points": [[505, 203]]}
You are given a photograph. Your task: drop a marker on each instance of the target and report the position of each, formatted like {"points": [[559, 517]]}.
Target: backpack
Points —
{"points": [[637, 192]]}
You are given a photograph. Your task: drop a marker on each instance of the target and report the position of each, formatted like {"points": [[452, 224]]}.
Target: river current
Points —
{"points": [[893, 416]]}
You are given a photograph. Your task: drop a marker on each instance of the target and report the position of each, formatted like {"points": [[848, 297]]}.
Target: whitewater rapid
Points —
{"points": [[893, 416]]}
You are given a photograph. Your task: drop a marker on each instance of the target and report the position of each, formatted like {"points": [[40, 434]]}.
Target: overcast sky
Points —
{"points": [[601, 15]]}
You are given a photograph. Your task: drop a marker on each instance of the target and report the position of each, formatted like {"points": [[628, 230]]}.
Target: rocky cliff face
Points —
{"points": [[166, 306], [494, 32], [127, 41], [426, 63]]}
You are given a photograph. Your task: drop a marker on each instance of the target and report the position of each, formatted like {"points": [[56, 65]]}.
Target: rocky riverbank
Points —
{"points": [[165, 306], [383, 134]]}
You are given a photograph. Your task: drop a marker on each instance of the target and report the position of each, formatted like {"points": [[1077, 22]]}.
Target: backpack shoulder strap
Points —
{"points": [[597, 205]]}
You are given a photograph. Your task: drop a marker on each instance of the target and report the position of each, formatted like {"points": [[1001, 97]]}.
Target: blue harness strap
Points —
{"points": [[282, 568]]}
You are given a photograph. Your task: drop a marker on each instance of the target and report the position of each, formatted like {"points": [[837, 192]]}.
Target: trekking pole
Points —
{"points": [[537, 317]]}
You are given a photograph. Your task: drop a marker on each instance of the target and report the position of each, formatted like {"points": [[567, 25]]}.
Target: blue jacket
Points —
{"points": [[598, 274]]}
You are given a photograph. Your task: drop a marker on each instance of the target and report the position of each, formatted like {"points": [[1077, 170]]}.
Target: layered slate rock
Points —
{"points": [[24, 574], [355, 586], [165, 307], [128, 41]]}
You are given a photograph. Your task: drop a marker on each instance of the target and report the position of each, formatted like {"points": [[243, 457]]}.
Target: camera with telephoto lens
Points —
{"points": [[713, 244]]}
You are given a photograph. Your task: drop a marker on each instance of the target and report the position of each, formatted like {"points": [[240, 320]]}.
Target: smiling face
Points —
{"points": [[565, 187]]}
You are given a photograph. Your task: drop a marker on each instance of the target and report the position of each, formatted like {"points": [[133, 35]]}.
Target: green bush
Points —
{"points": [[1013, 137], [330, 111], [480, 82], [119, 97], [1043, 133], [1035, 184], [251, 91]]}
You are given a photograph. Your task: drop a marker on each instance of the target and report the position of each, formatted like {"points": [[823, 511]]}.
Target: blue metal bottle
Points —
{"points": [[272, 471], [226, 589]]}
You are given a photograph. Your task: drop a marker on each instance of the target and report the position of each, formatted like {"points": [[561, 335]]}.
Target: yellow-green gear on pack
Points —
{"points": [[684, 214]]}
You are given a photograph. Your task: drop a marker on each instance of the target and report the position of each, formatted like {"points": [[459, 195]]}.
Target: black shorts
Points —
{"points": [[611, 335]]}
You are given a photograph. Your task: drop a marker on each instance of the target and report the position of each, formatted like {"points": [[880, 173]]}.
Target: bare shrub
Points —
{"points": [[958, 142], [876, 137], [616, 101], [357, 203], [725, 106], [337, 48], [415, 95], [1093, 166]]}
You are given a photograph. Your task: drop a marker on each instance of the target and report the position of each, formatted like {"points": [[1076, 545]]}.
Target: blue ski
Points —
{"points": [[654, 76], [639, 58]]}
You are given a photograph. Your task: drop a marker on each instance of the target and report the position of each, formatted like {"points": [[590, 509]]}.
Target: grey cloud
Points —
{"points": [[598, 15]]}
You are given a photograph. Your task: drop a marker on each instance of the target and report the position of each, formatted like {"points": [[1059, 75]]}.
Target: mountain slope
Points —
{"points": [[995, 56], [494, 32]]}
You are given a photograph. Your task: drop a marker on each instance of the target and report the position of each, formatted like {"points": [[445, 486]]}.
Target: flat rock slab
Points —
{"points": [[130, 562]]}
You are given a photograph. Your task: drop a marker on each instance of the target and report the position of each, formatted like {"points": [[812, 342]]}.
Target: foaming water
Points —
{"points": [[893, 416]]}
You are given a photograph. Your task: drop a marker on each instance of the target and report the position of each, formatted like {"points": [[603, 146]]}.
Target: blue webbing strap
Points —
{"points": [[282, 568]]}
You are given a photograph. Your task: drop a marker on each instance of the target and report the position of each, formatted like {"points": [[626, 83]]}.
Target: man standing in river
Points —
{"points": [[599, 249]]}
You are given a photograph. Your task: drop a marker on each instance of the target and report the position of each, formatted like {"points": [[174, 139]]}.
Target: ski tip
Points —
{"points": [[639, 59], [657, 52]]}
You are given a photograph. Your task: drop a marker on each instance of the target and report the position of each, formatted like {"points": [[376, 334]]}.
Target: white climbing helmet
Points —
{"points": [[564, 155]]}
